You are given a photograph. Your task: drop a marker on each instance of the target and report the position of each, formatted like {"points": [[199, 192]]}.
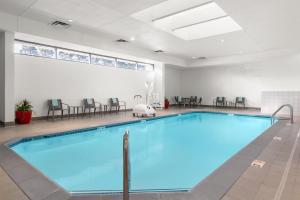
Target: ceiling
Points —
{"points": [[267, 25]]}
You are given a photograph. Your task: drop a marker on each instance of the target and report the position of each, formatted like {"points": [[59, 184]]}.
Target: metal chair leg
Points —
{"points": [[48, 114]]}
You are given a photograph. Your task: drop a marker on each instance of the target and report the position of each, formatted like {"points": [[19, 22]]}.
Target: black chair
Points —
{"points": [[114, 102], [200, 101], [57, 105], [179, 100], [193, 101], [91, 104], [220, 101], [240, 101]]}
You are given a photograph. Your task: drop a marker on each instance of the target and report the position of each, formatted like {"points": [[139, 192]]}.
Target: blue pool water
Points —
{"points": [[165, 154]]}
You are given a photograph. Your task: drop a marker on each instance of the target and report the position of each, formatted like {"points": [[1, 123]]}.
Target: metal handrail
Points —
{"points": [[281, 107], [126, 166]]}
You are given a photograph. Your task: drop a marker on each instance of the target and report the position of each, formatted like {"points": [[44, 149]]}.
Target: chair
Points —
{"points": [[241, 101], [200, 101], [114, 102], [179, 100], [193, 101], [57, 105], [90, 104], [220, 101]]}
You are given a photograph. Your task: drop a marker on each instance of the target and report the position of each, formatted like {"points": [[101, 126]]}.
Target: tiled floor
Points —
{"points": [[255, 183]]}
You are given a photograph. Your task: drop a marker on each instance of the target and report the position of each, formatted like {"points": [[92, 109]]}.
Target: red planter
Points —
{"points": [[23, 117], [167, 104]]}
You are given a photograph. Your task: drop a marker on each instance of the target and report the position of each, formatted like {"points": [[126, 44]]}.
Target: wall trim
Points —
{"points": [[5, 124], [37, 118], [213, 106]]}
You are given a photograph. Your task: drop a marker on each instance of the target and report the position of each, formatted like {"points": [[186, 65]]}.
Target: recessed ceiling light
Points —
{"points": [[194, 57], [70, 20], [222, 41], [132, 38]]}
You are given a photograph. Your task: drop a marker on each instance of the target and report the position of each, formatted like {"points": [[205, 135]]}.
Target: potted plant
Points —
{"points": [[23, 112], [167, 103]]}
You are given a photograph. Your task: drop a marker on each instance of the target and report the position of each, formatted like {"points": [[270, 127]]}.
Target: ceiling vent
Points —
{"points": [[159, 51], [201, 58], [121, 41], [60, 25]]}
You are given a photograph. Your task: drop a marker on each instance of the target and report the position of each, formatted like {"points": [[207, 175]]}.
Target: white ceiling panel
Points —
{"points": [[16, 7], [86, 12], [128, 6]]}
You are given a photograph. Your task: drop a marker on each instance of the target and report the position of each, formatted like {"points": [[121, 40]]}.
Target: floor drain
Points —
{"points": [[277, 138], [258, 163]]}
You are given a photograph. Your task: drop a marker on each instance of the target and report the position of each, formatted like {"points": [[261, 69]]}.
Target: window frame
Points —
{"points": [[38, 45], [129, 61], [74, 51], [109, 57], [56, 48]]}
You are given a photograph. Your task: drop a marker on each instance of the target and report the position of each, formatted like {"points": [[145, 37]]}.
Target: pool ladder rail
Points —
{"points": [[126, 166], [279, 109]]}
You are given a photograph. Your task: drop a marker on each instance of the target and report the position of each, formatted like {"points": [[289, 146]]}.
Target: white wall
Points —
{"points": [[38, 79], [2, 77], [7, 103], [249, 80], [172, 82], [272, 100]]}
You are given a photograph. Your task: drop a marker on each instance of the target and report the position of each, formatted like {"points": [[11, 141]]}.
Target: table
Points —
{"points": [[186, 101], [105, 108], [230, 103], [76, 110]]}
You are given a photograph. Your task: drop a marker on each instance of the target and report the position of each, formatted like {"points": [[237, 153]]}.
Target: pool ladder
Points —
{"points": [[280, 108], [126, 166]]}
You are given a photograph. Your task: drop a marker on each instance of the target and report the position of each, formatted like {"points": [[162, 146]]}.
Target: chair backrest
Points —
{"points": [[240, 100], [55, 104], [200, 100], [220, 99], [89, 103], [178, 99], [114, 101], [193, 99]]}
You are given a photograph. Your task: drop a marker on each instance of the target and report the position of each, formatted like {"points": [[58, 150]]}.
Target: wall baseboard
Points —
{"points": [[213, 106], [79, 115], [5, 124]]}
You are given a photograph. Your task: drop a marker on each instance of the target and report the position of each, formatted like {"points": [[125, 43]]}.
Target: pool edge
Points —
{"points": [[241, 161]]}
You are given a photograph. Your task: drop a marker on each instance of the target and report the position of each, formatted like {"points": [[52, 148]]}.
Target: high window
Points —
{"points": [[40, 50]]}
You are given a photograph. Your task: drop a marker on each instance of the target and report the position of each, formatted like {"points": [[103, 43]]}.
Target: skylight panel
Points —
{"points": [[210, 28], [201, 20], [200, 13]]}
